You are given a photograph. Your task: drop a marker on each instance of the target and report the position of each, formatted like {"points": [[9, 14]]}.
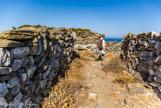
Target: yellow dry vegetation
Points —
{"points": [[123, 79]]}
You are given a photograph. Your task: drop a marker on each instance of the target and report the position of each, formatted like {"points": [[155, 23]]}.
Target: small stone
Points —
{"points": [[3, 89], [159, 88], [45, 74], [3, 103], [13, 82], [158, 60], [30, 72], [5, 57], [157, 79], [154, 84], [40, 47], [33, 49], [150, 78], [5, 70], [17, 63], [8, 97], [6, 77], [92, 96], [31, 59], [25, 61], [20, 52], [151, 72], [141, 90], [15, 89], [98, 105], [43, 83], [24, 77], [18, 97]]}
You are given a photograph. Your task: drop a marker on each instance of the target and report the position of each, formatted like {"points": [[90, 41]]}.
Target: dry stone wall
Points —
{"points": [[142, 53], [30, 60], [86, 40]]}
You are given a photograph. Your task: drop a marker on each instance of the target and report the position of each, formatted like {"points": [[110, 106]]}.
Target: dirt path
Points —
{"points": [[99, 91], [91, 87]]}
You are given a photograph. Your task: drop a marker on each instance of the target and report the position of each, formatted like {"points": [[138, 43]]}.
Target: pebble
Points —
{"points": [[92, 96]]}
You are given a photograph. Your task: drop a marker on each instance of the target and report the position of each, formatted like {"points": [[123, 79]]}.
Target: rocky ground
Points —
{"points": [[91, 85], [113, 47]]}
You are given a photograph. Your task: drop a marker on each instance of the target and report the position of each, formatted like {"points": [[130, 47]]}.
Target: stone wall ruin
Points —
{"points": [[142, 53], [30, 60]]}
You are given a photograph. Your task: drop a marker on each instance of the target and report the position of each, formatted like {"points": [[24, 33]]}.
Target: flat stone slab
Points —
{"points": [[13, 82], [3, 89], [15, 89], [20, 52], [4, 43], [15, 37], [19, 34], [5, 70], [17, 63]]}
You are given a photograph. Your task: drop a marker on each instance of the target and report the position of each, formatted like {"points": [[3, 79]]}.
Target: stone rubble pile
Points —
{"points": [[113, 47], [142, 53], [30, 60], [86, 40]]}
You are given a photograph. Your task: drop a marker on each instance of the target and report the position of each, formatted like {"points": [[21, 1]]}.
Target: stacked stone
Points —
{"points": [[142, 53], [113, 47], [86, 40], [30, 59]]}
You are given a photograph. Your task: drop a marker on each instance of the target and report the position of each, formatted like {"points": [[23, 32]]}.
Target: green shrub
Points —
{"points": [[79, 30], [27, 25]]}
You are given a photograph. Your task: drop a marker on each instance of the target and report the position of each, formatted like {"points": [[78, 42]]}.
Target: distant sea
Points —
{"points": [[113, 39]]}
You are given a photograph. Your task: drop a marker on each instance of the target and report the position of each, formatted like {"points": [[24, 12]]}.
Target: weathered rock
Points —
{"points": [[24, 77], [5, 57], [3, 89], [25, 61], [43, 83], [33, 49], [13, 82], [158, 60], [30, 72], [98, 105], [10, 43], [3, 103], [17, 63], [18, 97], [20, 52], [15, 89], [15, 35], [157, 79], [40, 47], [5, 70], [8, 97], [45, 74], [31, 59]]}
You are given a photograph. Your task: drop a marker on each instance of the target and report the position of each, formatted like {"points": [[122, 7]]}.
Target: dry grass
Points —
{"points": [[62, 95], [123, 79], [115, 65], [86, 55], [119, 69], [76, 63]]}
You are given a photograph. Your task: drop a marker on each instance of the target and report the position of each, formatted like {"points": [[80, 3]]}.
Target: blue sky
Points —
{"points": [[115, 18]]}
